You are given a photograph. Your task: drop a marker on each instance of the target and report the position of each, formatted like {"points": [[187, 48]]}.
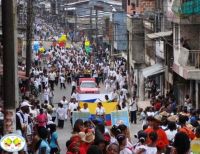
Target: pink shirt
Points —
{"points": [[42, 120]]}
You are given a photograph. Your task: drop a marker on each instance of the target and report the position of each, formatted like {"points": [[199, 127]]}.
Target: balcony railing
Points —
{"points": [[194, 58]]}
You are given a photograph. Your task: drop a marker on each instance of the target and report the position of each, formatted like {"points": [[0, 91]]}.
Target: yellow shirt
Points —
{"points": [[195, 146]]}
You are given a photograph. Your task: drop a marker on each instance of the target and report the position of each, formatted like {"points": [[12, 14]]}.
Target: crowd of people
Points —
{"points": [[63, 67], [166, 127]]}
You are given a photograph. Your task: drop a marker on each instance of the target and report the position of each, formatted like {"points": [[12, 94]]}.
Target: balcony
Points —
{"points": [[188, 64], [194, 59]]}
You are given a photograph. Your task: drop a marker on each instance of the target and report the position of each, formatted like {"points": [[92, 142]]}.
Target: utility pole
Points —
{"points": [[96, 27], [112, 41], [75, 28], [29, 32], [90, 32], [10, 84]]}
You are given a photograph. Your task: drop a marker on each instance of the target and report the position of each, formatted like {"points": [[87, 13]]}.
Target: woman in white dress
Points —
{"points": [[46, 94], [100, 111]]}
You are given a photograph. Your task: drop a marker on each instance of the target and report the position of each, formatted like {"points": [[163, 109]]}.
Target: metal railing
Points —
{"points": [[194, 58]]}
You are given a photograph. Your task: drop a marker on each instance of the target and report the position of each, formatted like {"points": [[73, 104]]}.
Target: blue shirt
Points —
{"points": [[44, 144], [53, 140]]}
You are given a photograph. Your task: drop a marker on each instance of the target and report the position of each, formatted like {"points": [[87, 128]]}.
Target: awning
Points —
{"points": [[153, 70], [159, 34]]}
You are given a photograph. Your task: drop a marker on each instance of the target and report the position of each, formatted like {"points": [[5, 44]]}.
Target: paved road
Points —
{"points": [[65, 134]]}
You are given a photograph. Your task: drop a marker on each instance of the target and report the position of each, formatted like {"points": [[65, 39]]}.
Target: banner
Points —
{"points": [[119, 117], [80, 115], [36, 46], [93, 98], [109, 107], [62, 40]]}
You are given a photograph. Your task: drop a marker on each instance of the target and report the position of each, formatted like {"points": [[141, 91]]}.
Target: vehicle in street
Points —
{"points": [[87, 86]]}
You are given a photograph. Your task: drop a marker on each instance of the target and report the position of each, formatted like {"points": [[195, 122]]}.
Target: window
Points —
{"points": [[129, 3]]}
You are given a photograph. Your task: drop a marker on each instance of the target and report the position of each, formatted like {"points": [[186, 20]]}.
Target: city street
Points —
{"points": [[127, 65], [65, 133]]}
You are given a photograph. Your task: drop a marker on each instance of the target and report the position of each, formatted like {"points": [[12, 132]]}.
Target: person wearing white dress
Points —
{"points": [[65, 105], [85, 108], [100, 111], [46, 94]]}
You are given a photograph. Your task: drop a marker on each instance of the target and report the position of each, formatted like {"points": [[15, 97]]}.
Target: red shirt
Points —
{"points": [[188, 132], [162, 137], [84, 148], [157, 106], [42, 120]]}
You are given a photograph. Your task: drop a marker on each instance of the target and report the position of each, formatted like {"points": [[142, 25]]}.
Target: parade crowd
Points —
{"points": [[166, 126]]}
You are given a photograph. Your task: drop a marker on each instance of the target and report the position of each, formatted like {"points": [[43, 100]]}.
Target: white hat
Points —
{"points": [[25, 103]]}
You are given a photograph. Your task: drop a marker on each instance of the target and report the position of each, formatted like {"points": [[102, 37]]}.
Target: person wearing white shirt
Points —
{"points": [[61, 112], [52, 77], [85, 108], [62, 82], [100, 111], [46, 94], [107, 84], [38, 79], [64, 102], [65, 105], [171, 131], [121, 98], [33, 111], [73, 86], [49, 117], [75, 95], [36, 84], [133, 109], [72, 107], [124, 90], [46, 81], [114, 95]]}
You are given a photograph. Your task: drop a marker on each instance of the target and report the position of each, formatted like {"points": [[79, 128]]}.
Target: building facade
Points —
{"points": [[169, 52], [186, 48]]}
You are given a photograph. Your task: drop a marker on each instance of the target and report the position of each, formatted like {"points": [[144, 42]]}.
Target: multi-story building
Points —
{"points": [[169, 51], [186, 49], [150, 36]]}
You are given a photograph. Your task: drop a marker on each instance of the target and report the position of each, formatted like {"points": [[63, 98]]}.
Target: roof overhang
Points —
{"points": [[153, 70], [159, 34]]}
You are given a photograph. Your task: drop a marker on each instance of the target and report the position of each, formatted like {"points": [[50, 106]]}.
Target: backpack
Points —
{"points": [[18, 123]]}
